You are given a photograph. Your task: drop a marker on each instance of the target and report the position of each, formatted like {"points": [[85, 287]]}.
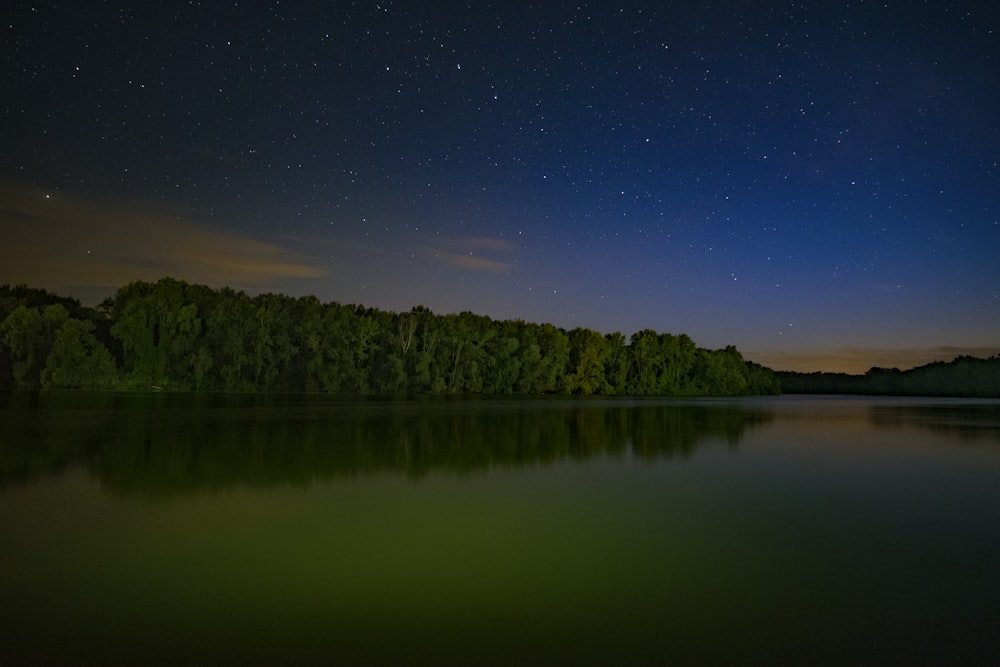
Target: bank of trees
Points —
{"points": [[173, 335], [51, 341], [964, 376]]}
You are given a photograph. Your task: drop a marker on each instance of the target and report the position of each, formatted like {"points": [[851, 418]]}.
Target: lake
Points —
{"points": [[191, 529]]}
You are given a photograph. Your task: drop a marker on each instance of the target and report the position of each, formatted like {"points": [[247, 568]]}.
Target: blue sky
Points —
{"points": [[815, 183]]}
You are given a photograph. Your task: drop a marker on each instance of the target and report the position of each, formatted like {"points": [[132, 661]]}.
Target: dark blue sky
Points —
{"points": [[816, 183]]}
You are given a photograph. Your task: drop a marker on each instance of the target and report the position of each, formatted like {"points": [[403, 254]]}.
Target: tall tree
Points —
{"points": [[77, 359], [585, 372], [158, 325], [617, 363], [29, 333], [553, 346]]}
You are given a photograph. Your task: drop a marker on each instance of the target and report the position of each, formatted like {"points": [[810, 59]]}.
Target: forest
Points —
{"points": [[171, 335], [965, 376]]}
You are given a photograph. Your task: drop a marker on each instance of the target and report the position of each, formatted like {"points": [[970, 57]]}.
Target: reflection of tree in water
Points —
{"points": [[43, 434], [160, 445]]}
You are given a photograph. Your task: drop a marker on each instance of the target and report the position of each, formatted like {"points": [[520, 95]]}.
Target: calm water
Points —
{"points": [[291, 530]]}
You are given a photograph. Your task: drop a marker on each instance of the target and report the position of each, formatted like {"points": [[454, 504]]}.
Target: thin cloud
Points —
{"points": [[473, 263], [468, 254], [54, 240], [487, 243]]}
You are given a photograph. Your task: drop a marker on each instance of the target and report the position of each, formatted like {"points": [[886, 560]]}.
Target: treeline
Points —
{"points": [[176, 336], [965, 376], [47, 340]]}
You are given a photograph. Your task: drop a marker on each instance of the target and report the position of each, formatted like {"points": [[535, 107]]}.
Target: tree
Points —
{"points": [[616, 364], [464, 337], [721, 372], [273, 342], [229, 342], [503, 364], [585, 371], [159, 326], [29, 333], [644, 347], [77, 359], [678, 356], [553, 347]]}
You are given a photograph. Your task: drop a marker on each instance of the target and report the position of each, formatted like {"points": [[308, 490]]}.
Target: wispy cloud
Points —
{"points": [[471, 254], [473, 263], [55, 240]]}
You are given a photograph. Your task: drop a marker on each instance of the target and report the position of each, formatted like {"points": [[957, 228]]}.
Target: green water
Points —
{"points": [[173, 529]]}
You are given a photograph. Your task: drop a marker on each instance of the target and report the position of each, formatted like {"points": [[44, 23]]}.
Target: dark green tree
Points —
{"points": [[586, 368], [553, 347], [158, 325], [29, 333], [617, 363], [77, 359]]}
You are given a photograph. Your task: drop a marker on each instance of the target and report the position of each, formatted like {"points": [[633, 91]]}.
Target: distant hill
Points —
{"points": [[965, 376]]}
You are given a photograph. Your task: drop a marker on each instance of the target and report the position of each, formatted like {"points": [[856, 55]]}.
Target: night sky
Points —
{"points": [[816, 183]]}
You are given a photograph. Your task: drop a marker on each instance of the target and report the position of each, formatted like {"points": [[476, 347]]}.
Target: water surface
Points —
{"points": [[301, 530]]}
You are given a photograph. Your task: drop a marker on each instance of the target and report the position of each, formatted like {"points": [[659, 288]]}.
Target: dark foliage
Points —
{"points": [[964, 377], [172, 335]]}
